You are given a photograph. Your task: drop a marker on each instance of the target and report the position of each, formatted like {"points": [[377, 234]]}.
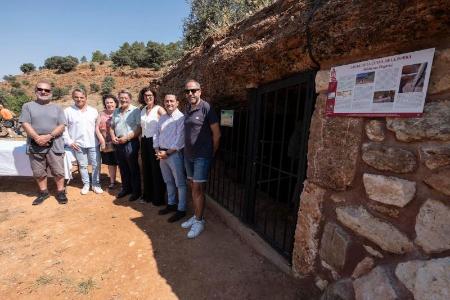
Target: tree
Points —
{"points": [[94, 88], [27, 68], [9, 78], [108, 85], [92, 66], [98, 56], [83, 59], [211, 16], [61, 64], [58, 92]]}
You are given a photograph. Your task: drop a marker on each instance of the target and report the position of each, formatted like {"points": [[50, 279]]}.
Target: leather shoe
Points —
{"points": [[40, 198], [168, 209], [134, 198], [177, 216], [61, 197], [123, 193]]}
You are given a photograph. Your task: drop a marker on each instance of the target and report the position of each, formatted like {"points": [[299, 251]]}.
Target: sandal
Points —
{"points": [[112, 185]]}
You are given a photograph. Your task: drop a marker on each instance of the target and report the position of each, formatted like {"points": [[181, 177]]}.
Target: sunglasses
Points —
{"points": [[193, 91], [43, 90]]}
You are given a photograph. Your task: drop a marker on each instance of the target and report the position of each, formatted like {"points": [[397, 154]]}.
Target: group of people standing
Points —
{"points": [[176, 149]]}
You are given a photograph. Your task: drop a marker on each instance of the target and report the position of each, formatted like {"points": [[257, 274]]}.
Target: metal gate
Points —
{"points": [[259, 171]]}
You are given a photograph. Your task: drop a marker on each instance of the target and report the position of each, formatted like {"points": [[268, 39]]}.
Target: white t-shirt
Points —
{"points": [[80, 127], [149, 122]]}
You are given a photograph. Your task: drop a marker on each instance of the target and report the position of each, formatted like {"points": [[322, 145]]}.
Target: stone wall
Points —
{"points": [[382, 229], [374, 214]]}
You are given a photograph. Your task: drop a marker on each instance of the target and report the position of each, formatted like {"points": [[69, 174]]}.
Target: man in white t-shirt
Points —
{"points": [[80, 136]]}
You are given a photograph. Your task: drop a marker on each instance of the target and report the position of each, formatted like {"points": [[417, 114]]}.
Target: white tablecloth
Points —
{"points": [[14, 160]]}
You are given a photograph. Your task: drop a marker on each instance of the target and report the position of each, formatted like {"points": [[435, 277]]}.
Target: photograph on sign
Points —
{"points": [[387, 86], [226, 118]]}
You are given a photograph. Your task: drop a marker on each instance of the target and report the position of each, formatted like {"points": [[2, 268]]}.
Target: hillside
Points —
{"points": [[125, 78]]}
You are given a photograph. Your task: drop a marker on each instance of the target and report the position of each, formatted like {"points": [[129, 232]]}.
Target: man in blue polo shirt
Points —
{"points": [[202, 136]]}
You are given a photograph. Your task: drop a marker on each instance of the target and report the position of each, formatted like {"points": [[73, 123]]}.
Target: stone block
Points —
{"points": [[340, 290], [440, 77], [435, 156], [372, 251], [389, 190], [385, 158], [375, 286], [306, 244], [322, 80], [333, 148], [426, 279], [385, 235], [433, 125], [433, 227], [440, 181], [375, 130], [363, 267], [334, 245]]}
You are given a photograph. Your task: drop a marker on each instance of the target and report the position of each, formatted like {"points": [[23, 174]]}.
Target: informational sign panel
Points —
{"points": [[388, 86], [226, 118]]}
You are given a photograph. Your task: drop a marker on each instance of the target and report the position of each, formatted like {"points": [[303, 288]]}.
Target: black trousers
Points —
{"points": [[154, 186], [127, 156]]}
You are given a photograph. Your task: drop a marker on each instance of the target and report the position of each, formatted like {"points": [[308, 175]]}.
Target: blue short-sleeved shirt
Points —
{"points": [[198, 135], [126, 122]]}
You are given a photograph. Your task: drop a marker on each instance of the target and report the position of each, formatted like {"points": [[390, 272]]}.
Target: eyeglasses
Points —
{"points": [[193, 91], [149, 95], [43, 90]]}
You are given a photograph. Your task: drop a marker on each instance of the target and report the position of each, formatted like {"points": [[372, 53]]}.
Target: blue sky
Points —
{"points": [[33, 30]]}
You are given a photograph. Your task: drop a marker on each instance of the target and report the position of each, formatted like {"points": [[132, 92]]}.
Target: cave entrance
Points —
{"points": [[259, 170]]}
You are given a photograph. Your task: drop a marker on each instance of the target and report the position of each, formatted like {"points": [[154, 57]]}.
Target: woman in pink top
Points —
{"points": [[110, 103], [154, 187]]}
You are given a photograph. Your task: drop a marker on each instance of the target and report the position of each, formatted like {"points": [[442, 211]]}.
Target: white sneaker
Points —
{"points": [[97, 189], [196, 229], [85, 189], [187, 224]]}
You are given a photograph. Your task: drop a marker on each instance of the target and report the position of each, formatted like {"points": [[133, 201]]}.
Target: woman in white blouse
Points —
{"points": [[154, 187]]}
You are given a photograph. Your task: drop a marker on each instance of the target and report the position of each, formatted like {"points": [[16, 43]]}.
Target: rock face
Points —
{"points": [[363, 267], [375, 286], [306, 245], [386, 236], [433, 227], [387, 158], [435, 156], [322, 80], [434, 124], [375, 130], [440, 181], [389, 190], [334, 245], [426, 279], [332, 157], [440, 77], [372, 251], [340, 290]]}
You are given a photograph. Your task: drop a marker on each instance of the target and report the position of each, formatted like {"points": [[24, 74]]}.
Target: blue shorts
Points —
{"points": [[197, 168]]}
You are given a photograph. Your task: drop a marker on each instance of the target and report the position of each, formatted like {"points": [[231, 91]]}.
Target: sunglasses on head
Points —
{"points": [[193, 91], [43, 90]]}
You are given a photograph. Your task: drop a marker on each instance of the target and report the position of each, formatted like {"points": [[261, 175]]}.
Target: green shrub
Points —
{"points": [[94, 88], [27, 68], [108, 85], [83, 59], [61, 64], [98, 56], [25, 82], [16, 84], [81, 86], [14, 100], [9, 78], [58, 92], [92, 66]]}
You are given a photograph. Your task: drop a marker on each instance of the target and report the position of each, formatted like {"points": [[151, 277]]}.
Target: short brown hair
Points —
{"points": [[80, 90], [124, 92], [141, 99]]}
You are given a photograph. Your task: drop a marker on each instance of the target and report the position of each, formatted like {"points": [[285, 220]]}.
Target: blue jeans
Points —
{"points": [[197, 168], [89, 156], [172, 170]]}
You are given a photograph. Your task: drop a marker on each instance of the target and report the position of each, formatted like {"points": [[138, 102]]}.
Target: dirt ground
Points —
{"points": [[98, 247]]}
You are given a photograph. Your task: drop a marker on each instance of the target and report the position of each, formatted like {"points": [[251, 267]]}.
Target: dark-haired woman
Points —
{"points": [[102, 129], [154, 187]]}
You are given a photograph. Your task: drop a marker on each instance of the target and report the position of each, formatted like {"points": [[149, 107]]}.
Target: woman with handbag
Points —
{"points": [[110, 103], [154, 186]]}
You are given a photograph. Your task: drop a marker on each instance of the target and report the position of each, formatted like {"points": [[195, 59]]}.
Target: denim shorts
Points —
{"points": [[197, 168]]}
